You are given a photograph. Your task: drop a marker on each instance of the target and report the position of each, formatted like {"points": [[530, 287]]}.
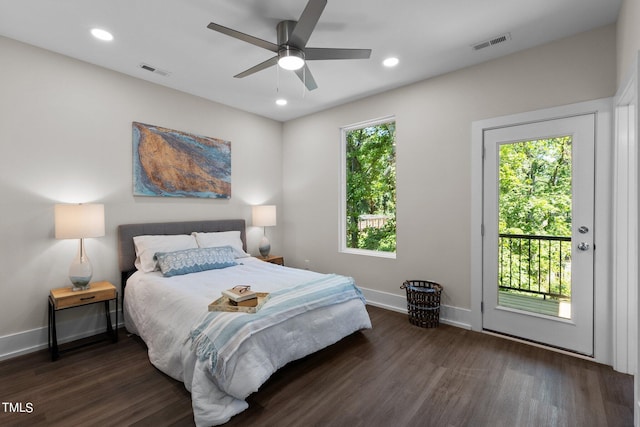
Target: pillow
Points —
{"points": [[221, 238], [147, 246], [195, 260]]}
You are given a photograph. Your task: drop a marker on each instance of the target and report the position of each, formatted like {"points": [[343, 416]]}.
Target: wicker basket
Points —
{"points": [[423, 302]]}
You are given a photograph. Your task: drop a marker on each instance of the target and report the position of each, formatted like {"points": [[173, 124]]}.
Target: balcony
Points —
{"points": [[534, 274]]}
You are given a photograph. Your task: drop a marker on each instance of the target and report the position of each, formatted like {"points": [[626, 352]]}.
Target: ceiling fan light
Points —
{"points": [[290, 58]]}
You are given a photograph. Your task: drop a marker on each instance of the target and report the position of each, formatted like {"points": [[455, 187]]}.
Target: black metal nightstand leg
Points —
{"points": [[53, 335], [111, 331], [108, 316], [49, 326], [115, 332]]}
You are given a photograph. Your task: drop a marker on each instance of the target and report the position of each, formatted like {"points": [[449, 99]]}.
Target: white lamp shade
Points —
{"points": [[79, 221], [264, 216]]}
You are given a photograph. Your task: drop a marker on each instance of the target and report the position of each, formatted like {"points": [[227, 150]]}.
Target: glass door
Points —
{"points": [[538, 242]]}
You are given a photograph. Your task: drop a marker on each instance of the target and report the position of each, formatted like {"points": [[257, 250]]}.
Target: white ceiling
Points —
{"points": [[430, 37]]}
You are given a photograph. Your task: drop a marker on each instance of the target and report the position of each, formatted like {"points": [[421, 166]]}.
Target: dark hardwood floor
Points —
{"points": [[393, 375]]}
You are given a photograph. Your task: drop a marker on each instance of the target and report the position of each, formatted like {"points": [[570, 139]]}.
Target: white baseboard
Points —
{"points": [[70, 330], [67, 330], [454, 316]]}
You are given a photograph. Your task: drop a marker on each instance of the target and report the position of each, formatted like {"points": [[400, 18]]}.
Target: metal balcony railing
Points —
{"points": [[539, 265]]}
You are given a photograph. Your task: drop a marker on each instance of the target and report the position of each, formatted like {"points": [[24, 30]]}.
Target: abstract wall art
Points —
{"points": [[172, 163]]}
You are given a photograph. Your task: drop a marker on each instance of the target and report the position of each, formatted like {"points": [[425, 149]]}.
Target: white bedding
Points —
{"points": [[163, 311]]}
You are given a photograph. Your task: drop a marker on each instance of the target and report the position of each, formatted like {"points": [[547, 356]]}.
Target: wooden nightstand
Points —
{"points": [[64, 298], [273, 259]]}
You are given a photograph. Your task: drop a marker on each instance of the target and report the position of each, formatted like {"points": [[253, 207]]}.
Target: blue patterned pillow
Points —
{"points": [[194, 260]]}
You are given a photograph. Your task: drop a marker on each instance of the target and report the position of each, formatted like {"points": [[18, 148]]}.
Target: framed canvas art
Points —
{"points": [[172, 163]]}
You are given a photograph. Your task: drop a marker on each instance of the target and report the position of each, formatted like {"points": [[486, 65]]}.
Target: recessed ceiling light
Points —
{"points": [[281, 101], [390, 62], [102, 34]]}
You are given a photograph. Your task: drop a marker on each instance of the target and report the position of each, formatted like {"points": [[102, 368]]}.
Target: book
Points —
{"points": [[225, 304], [253, 302], [239, 293]]}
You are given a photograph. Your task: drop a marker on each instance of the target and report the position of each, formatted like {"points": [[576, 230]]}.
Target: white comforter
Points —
{"points": [[163, 311]]}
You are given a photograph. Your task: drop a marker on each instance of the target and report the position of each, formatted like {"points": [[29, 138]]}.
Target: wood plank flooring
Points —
{"points": [[393, 375]]}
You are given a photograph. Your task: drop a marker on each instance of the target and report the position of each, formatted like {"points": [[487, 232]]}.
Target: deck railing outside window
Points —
{"points": [[539, 265], [372, 221]]}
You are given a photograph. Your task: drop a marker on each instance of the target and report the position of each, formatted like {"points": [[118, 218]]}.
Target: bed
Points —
{"points": [[223, 357]]}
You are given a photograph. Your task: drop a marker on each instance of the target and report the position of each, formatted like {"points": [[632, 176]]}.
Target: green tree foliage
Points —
{"points": [[535, 200], [535, 187], [371, 186]]}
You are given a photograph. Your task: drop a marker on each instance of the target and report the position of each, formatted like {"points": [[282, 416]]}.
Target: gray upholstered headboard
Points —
{"points": [[126, 232]]}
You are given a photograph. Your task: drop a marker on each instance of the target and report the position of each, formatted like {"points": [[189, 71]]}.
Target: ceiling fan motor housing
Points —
{"points": [[289, 57], [283, 31]]}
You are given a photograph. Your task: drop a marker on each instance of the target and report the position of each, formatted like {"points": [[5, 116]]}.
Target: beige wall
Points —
{"points": [[433, 159], [65, 134], [628, 38]]}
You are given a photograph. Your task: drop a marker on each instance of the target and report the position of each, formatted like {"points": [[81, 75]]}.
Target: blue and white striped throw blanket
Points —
{"points": [[220, 334]]}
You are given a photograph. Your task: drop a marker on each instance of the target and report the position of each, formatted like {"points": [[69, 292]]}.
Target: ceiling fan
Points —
{"points": [[291, 50]]}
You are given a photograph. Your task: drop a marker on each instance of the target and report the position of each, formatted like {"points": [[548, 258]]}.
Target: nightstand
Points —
{"points": [[273, 259], [65, 298]]}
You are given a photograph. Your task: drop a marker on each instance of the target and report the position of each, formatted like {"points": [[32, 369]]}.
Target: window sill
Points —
{"points": [[367, 252]]}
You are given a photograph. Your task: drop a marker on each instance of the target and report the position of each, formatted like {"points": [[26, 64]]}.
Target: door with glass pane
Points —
{"points": [[538, 206]]}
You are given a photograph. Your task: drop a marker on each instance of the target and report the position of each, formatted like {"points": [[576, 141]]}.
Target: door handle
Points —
{"points": [[583, 246]]}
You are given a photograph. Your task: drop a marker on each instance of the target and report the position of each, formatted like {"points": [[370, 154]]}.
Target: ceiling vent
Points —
{"points": [[493, 41], [155, 70]]}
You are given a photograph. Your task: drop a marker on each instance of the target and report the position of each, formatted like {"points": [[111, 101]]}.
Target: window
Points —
{"points": [[368, 208]]}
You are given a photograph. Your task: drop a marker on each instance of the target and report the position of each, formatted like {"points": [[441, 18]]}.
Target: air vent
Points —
{"points": [[492, 42], [155, 70]]}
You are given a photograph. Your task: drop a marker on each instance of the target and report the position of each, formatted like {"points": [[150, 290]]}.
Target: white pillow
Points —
{"points": [[221, 238], [147, 246]]}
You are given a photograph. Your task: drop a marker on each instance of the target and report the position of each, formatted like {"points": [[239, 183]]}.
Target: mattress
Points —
{"points": [[164, 311]]}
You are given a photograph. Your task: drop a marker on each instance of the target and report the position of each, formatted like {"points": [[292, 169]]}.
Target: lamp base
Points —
{"points": [[80, 271], [81, 287], [265, 247]]}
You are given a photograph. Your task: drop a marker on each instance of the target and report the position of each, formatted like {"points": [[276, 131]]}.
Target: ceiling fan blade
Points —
{"points": [[305, 75], [261, 66], [244, 37], [307, 22], [311, 53]]}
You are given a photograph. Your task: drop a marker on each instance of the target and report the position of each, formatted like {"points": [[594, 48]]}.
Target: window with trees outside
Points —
{"points": [[368, 219]]}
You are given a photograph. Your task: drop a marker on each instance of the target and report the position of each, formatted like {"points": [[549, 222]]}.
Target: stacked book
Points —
{"points": [[241, 296], [240, 299]]}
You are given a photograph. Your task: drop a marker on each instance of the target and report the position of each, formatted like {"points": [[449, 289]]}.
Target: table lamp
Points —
{"points": [[264, 216], [78, 222]]}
